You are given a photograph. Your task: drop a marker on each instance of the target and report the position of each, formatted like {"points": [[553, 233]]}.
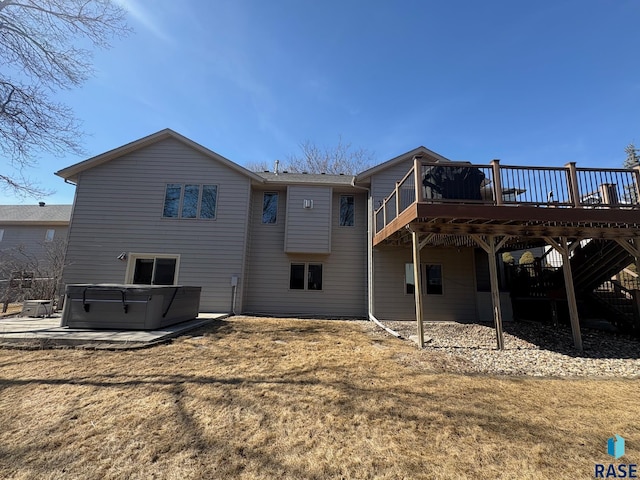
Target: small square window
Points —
{"points": [[432, 273], [48, 237], [270, 207], [347, 210]]}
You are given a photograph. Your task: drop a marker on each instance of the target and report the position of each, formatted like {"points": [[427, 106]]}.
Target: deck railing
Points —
{"points": [[495, 184]]}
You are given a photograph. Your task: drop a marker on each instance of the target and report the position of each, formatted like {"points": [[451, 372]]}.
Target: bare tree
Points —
{"points": [[39, 54], [259, 166], [342, 158], [27, 275]]}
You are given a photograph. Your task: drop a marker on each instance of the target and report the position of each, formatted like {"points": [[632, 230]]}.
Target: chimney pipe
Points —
{"points": [[275, 170]]}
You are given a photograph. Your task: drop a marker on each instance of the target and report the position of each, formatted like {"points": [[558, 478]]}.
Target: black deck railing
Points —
{"points": [[495, 184]]}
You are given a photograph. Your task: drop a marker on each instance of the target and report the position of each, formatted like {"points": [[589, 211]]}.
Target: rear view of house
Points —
{"points": [[416, 237]]}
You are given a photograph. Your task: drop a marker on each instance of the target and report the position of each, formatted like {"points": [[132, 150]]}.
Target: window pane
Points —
{"points": [[172, 200], [410, 283], [315, 277], [346, 211], [269, 208], [434, 279], [296, 281], [49, 235], [190, 201], [143, 271], [165, 271], [209, 199]]}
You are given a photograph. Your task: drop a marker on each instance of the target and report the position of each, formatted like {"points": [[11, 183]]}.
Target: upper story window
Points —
{"points": [[347, 210], [48, 237], [190, 201], [1, 234], [270, 207]]}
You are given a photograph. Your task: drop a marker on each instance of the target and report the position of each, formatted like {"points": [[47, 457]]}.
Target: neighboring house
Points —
{"points": [[166, 210], [32, 244]]}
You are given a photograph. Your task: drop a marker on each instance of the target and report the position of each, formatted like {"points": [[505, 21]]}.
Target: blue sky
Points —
{"points": [[531, 83]]}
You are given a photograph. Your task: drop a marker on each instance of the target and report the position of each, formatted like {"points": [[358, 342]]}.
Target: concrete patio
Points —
{"points": [[24, 329]]}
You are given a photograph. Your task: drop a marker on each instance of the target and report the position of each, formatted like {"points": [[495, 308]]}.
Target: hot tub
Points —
{"points": [[129, 307]]}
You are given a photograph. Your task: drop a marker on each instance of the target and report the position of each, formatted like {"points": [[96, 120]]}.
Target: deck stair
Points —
{"points": [[617, 304], [596, 262]]}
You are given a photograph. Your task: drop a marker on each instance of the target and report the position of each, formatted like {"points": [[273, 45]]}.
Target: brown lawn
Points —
{"points": [[296, 399]]}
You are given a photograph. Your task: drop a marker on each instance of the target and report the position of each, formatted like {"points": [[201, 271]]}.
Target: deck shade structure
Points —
{"points": [[512, 207]]}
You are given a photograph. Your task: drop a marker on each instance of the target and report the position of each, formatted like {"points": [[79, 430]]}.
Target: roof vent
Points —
{"points": [[42, 204], [304, 173]]}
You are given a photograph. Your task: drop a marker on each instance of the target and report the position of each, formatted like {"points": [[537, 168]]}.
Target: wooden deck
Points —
{"points": [[537, 202], [497, 207]]}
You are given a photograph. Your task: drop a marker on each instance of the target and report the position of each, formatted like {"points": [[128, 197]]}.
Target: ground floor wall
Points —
{"points": [[393, 301]]}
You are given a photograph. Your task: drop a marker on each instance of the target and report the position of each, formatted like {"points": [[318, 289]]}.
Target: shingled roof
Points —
{"points": [[25, 214]]}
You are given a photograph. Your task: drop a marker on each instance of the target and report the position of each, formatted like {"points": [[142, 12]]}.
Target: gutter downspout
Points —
{"points": [[370, 303]]}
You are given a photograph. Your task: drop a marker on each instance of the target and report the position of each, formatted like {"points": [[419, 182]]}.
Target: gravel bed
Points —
{"points": [[531, 349]]}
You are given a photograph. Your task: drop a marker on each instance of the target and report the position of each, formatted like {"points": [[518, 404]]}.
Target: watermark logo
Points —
{"points": [[615, 446]]}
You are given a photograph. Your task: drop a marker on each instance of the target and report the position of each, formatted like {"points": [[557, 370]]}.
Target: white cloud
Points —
{"points": [[145, 18]]}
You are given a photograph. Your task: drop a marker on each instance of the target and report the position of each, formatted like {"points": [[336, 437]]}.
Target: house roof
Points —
{"points": [[72, 172], [399, 159], [35, 214], [306, 179]]}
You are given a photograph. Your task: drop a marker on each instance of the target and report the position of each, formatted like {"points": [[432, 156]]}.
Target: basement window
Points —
{"points": [[305, 276], [431, 276]]}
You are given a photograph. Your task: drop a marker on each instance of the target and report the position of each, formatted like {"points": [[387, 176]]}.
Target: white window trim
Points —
{"points": [[49, 238], [131, 264]]}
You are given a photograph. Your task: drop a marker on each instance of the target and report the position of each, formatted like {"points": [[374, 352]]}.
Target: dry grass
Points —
{"points": [[12, 309], [277, 398]]}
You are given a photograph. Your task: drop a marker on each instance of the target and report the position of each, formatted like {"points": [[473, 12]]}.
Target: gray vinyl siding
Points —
{"points": [[344, 291], [384, 182], [308, 230], [119, 207], [24, 246], [458, 303]]}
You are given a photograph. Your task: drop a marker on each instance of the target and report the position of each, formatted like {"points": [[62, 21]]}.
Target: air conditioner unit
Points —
{"points": [[307, 203]]}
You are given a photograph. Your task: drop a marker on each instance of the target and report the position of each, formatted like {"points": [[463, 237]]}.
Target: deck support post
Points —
{"points": [[497, 181], [573, 184], [417, 286], [491, 247], [565, 249]]}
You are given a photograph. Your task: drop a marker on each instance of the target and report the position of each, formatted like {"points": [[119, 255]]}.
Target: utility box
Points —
{"points": [[37, 308]]}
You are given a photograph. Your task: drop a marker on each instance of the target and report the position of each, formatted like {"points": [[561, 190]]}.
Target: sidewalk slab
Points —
{"points": [[21, 329]]}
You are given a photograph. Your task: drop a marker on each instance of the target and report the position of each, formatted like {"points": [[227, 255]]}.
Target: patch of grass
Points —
{"points": [[283, 398]]}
